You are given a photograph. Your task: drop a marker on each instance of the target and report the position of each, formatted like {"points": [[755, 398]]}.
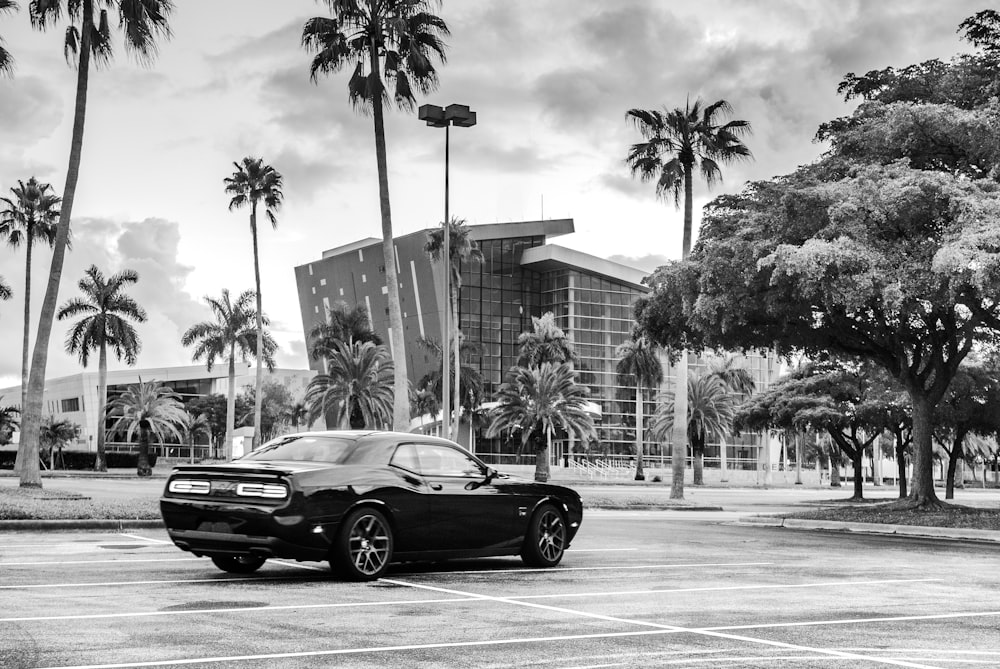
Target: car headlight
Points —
{"points": [[268, 490], [189, 487]]}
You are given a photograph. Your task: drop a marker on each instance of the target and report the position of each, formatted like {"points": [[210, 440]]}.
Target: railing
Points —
{"points": [[179, 451]]}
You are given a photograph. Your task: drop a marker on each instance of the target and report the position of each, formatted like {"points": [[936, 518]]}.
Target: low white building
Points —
{"points": [[74, 398]]}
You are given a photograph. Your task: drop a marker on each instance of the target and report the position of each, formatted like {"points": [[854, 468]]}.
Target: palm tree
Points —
{"points": [[639, 365], [298, 414], [469, 381], [106, 312], [149, 409], [235, 330], [30, 216], [424, 403], [676, 142], [6, 58], [5, 292], [343, 324], [88, 35], [254, 182], [710, 411], [382, 41], [192, 427], [538, 402], [54, 434], [545, 343], [357, 390], [8, 422], [739, 381], [461, 248]]}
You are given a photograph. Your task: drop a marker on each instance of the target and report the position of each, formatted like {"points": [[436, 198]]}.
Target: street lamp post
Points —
{"points": [[438, 117]]}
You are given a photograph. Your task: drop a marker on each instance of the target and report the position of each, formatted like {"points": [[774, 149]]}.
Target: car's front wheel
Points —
{"points": [[238, 564], [364, 546], [545, 541]]}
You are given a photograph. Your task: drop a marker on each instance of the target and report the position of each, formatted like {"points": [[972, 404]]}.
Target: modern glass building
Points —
{"points": [[521, 275]]}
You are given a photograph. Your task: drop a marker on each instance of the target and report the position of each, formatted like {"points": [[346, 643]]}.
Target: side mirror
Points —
{"points": [[491, 474]]}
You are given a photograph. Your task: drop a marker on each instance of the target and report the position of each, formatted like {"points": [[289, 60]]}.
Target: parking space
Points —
{"points": [[637, 589]]}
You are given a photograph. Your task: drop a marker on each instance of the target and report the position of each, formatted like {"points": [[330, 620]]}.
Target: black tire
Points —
{"points": [[363, 549], [238, 564], [546, 538]]}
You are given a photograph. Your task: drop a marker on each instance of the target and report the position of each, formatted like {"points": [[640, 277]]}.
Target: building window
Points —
{"points": [[364, 279], [322, 282], [341, 292], [310, 270], [314, 290], [71, 404]]}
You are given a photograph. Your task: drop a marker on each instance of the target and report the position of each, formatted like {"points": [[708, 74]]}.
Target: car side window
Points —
{"points": [[436, 460], [406, 458]]}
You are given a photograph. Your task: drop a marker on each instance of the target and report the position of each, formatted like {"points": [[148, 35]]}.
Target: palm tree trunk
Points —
{"points": [[100, 462], [25, 367], [678, 458], [255, 443], [541, 449], [400, 401], [456, 391], [698, 455], [678, 455], [227, 449], [722, 460], [30, 474], [142, 467], [640, 475]]}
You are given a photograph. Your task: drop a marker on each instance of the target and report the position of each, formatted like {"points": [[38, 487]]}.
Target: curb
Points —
{"points": [[649, 507], [79, 524], [955, 533]]}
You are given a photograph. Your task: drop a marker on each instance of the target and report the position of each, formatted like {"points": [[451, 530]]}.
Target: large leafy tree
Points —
{"points": [[252, 184], [6, 57], [28, 217], [106, 312], [356, 392], [233, 333], [390, 47], [213, 407], [677, 143], [88, 36], [710, 410], [461, 249], [639, 365], [192, 426], [148, 409], [537, 403], [831, 395], [800, 264], [971, 407], [9, 421]]}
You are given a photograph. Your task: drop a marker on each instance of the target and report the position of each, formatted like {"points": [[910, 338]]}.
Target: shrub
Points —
{"points": [[79, 461]]}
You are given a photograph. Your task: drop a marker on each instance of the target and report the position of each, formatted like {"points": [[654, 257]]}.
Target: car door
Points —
{"points": [[467, 511]]}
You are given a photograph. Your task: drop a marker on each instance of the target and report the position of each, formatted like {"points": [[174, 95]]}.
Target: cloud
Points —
{"points": [[648, 262], [149, 247]]}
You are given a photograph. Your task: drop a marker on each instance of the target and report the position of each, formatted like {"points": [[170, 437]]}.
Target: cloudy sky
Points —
{"points": [[551, 81]]}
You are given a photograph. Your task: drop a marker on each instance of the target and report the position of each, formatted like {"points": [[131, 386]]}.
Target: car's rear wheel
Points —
{"points": [[238, 564], [545, 540], [364, 546]]}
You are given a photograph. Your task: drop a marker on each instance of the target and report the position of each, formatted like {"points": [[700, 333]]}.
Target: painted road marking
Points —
{"points": [[606, 550], [674, 628], [522, 598], [107, 584], [120, 561], [150, 539]]}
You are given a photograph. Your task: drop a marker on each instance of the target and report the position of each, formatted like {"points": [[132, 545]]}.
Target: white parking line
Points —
{"points": [[149, 539], [359, 651], [601, 550], [551, 570], [672, 628], [118, 561]]}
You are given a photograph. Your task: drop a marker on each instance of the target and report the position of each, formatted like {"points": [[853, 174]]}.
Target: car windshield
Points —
{"points": [[303, 447]]}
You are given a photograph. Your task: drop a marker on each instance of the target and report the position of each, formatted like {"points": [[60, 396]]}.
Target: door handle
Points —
{"points": [[436, 486]]}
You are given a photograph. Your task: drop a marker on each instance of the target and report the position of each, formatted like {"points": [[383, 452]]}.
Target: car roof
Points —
{"points": [[374, 435]]}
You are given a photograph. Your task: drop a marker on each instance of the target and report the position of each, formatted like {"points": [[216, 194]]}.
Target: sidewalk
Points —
{"points": [[954, 533]]}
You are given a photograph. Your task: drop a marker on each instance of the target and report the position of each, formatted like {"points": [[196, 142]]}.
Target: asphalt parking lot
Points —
{"points": [[638, 589]]}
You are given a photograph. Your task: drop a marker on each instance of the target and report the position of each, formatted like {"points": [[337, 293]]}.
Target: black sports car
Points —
{"points": [[361, 500]]}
